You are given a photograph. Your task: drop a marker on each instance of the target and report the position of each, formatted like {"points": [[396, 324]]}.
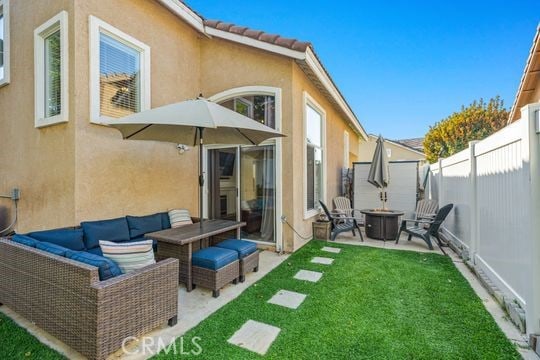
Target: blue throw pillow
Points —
{"points": [[68, 238], [165, 220], [52, 248], [109, 230], [25, 240], [140, 225], [107, 268]]}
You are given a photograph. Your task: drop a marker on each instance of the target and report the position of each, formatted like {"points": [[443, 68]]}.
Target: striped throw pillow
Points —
{"points": [[179, 217], [129, 256]]}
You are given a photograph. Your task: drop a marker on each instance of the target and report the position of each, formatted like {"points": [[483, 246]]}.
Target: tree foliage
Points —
{"points": [[474, 122]]}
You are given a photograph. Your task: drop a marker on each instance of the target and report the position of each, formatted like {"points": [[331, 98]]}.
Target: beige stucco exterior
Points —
{"points": [[79, 170], [397, 151]]}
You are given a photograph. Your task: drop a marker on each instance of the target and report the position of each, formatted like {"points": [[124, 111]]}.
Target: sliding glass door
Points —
{"points": [[257, 192]]}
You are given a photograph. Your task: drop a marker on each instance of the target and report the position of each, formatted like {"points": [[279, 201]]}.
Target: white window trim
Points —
{"points": [[7, 53], [96, 27], [346, 149], [58, 22], [276, 93], [308, 100]]}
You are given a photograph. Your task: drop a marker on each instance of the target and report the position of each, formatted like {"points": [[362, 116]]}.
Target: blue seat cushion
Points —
{"points": [[109, 230], [140, 225], [213, 258], [25, 240], [68, 238], [52, 248], [95, 251], [242, 247], [107, 268], [165, 220]]}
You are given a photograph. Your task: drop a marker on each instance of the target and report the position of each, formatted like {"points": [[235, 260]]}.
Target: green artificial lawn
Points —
{"points": [[17, 343], [370, 304]]}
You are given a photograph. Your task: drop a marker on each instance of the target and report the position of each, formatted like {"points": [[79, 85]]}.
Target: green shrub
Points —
{"points": [[474, 122]]}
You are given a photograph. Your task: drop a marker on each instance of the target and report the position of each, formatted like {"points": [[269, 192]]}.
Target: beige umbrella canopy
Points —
{"points": [[378, 172], [198, 121], [179, 123]]}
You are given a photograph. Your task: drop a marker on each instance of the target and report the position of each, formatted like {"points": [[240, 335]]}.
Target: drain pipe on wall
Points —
{"points": [[14, 196]]}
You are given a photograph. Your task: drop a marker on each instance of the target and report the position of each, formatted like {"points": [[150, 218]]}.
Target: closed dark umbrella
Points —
{"points": [[199, 121], [378, 172]]}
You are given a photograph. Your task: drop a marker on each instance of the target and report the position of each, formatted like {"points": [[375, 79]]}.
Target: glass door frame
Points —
{"points": [[206, 190], [278, 226]]}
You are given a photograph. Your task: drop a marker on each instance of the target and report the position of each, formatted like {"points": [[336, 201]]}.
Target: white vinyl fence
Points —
{"points": [[495, 188]]}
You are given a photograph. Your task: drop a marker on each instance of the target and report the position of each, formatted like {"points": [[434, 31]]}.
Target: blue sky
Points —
{"points": [[403, 65]]}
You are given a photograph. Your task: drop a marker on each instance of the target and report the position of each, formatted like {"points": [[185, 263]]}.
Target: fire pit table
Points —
{"points": [[382, 224]]}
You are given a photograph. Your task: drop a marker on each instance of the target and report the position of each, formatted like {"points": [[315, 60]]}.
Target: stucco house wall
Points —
{"points": [[336, 125], [39, 162], [135, 177], [80, 170]]}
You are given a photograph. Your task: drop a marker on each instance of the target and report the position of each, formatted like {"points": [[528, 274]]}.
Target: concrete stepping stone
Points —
{"points": [[289, 299], [255, 336], [331, 249], [322, 260], [308, 275]]}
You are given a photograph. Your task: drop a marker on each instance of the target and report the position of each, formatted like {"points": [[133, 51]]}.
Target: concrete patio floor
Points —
{"points": [[416, 244]]}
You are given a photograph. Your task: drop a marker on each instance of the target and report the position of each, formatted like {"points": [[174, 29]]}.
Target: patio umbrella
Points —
{"points": [[200, 121], [378, 172]]}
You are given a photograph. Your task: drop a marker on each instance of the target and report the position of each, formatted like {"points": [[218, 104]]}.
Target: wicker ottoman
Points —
{"points": [[247, 252], [214, 267]]}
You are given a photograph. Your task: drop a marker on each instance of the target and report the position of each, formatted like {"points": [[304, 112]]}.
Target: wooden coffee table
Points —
{"points": [[382, 224], [181, 242]]}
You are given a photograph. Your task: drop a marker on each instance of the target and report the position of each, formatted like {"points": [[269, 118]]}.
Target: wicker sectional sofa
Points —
{"points": [[67, 299]]}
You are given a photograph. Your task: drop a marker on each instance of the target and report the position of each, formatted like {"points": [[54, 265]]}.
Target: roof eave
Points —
{"points": [[309, 57], [185, 13], [535, 49], [313, 62]]}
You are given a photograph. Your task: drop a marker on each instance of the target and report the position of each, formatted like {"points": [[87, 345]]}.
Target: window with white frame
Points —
{"points": [[51, 71], [119, 73], [4, 42], [314, 159], [346, 149]]}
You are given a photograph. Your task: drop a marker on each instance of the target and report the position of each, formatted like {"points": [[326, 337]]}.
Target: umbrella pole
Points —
{"points": [[201, 177]]}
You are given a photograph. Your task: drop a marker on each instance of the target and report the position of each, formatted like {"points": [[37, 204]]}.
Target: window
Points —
{"points": [[51, 71], [4, 42], [314, 123], [119, 73], [346, 149], [261, 108]]}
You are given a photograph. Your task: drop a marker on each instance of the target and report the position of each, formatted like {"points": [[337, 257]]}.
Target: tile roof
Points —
{"points": [[274, 39], [414, 143]]}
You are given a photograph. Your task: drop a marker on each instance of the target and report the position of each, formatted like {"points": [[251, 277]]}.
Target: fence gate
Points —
{"points": [[402, 190]]}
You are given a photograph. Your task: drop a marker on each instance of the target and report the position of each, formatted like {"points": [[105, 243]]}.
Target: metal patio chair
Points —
{"points": [[415, 227], [340, 223]]}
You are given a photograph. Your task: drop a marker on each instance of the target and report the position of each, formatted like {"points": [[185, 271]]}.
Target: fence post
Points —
{"points": [[440, 183], [474, 226], [531, 115]]}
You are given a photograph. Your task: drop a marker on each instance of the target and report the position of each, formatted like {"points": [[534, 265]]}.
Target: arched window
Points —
{"points": [[261, 108]]}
